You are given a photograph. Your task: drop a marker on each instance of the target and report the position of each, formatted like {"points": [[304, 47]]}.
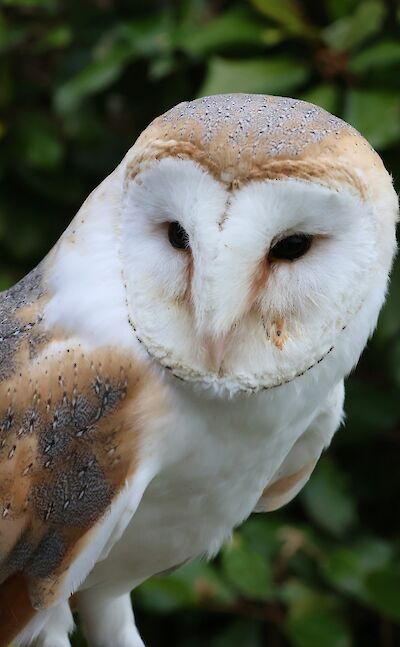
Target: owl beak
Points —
{"points": [[216, 348]]}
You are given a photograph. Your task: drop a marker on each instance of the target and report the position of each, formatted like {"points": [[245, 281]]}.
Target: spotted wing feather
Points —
{"points": [[68, 446]]}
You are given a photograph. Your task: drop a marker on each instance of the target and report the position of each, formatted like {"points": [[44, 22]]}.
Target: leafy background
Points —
{"points": [[78, 82]]}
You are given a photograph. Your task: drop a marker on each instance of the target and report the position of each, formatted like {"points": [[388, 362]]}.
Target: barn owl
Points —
{"points": [[177, 360]]}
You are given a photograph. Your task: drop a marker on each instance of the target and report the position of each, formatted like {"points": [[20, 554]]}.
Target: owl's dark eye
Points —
{"points": [[177, 236], [291, 247]]}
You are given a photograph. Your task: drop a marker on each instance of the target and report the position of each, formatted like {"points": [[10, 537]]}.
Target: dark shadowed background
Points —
{"points": [[78, 82]]}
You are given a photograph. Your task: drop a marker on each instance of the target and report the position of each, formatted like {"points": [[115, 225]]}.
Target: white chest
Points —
{"points": [[223, 459]]}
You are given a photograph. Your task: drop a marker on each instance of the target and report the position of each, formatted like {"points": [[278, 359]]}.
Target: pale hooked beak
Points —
{"points": [[216, 349]]}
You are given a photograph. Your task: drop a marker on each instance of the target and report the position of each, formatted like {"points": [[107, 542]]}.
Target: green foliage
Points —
{"points": [[362, 108], [318, 624], [277, 76], [78, 82], [328, 501], [246, 570]]}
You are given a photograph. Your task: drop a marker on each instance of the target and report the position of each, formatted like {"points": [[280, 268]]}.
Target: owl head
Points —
{"points": [[256, 234]]}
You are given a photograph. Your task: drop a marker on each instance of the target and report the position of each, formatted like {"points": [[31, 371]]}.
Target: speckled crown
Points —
{"points": [[250, 124], [244, 137]]}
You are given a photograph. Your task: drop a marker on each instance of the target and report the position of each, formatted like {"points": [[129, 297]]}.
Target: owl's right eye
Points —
{"points": [[291, 247], [177, 236]]}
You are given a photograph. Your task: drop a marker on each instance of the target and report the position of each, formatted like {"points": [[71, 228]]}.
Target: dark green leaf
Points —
{"points": [[316, 628], [269, 76], [31, 4], [6, 90], [351, 31], [60, 36], [243, 633], [325, 95], [394, 362], [5, 281], [273, 36], [10, 36], [235, 27], [38, 142], [376, 114], [384, 591], [365, 422], [165, 594], [246, 570], [339, 8], [95, 77], [261, 533], [347, 568], [389, 322], [286, 13], [379, 56], [204, 581], [328, 500]]}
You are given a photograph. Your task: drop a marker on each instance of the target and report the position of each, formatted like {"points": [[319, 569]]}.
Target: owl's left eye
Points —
{"points": [[178, 236]]}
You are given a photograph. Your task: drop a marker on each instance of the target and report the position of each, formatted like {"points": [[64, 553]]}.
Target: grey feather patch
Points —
{"points": [[17, 559], [77, 496], [47, 556], [13, 330]]}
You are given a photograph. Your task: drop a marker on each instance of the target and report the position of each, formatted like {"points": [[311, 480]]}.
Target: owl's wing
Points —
{"points": [[70, 471], [298, 465]]}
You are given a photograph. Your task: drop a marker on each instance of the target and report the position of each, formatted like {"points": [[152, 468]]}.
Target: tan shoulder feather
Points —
{"points": [[68, 445]]}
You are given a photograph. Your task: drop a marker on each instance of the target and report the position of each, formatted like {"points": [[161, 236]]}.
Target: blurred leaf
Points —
{"points": [[298, 596], [325, 95], [235, 27], [123, 44], [10, 36], [313, 618], [246, 570], [23, 237], [5, 281], [195, 582], [273, 76], [351, 31], [161, 67], [31, 4], [242, 633], [37, 141], [262, 534], [205, 581], [52, 187], [145, 37], [6, 88], [384, 591], [272, 36], [381, 414], [165, 594], [328, 500], [2, 222], [58, 37], [347, 568], [381, 55], [394, 362], [389, 321], [83, 125], [286, 13], [92, 79], [339, 8], [376, 114], [317, 628]]}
